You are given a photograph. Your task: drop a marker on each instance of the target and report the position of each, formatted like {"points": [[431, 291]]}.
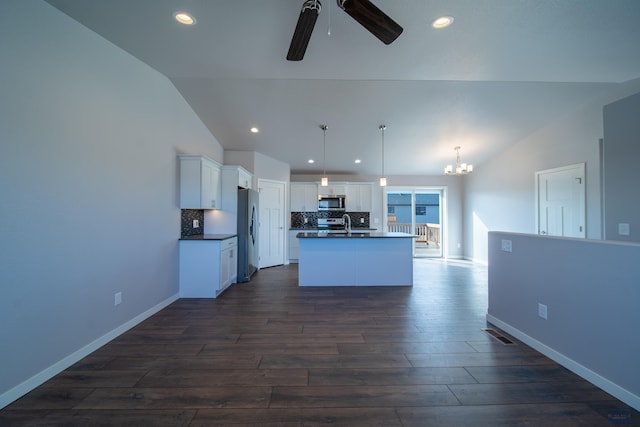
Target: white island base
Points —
{"points": [[375, 259]]}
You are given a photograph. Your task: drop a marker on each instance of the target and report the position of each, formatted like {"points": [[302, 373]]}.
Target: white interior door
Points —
{"points": [[272, 220], [561, 201]]}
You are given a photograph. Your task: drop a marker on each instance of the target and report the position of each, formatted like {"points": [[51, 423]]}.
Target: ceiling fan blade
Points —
{"points": [[372, 18], [304, 28]]}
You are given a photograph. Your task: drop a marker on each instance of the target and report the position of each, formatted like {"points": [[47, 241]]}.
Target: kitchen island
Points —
{"points": [[355, 259]]}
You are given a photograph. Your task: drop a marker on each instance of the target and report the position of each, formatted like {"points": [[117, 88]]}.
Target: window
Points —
{"points": [[391, 209], [421, 210]]}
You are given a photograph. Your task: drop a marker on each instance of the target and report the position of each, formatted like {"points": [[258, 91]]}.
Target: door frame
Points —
{"points": [[581, 167]]}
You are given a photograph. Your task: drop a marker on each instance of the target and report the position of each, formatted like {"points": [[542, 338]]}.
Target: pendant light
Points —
{"points": [[324, 181], [383, 179]]}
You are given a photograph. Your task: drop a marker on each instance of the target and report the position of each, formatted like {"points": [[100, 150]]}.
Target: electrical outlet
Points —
{"points": [[623, 229], [506, 245], [542, 311], [196, 223], [117, 298]]}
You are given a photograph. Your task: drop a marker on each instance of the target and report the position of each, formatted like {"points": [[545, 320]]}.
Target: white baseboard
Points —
{"points": [[586, 373], [53, 370]]}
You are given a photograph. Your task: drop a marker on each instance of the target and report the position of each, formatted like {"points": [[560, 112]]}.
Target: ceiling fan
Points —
{"points": [[363, 11]]}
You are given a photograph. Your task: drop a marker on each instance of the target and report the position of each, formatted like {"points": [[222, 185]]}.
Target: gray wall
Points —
{"points": [[591, 292], [500, 194], [88, 171], [621, 165]]}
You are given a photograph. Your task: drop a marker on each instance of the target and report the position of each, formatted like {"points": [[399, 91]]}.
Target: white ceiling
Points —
{"points": [[502, 70]]}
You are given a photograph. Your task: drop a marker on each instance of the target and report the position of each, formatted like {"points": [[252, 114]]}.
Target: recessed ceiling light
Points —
{"points": [[357, 161], [255, 130], [184, 18], [311, 161], [442, 22]]}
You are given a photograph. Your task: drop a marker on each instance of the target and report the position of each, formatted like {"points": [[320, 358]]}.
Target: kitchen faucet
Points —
{"points": [[347, 223]]}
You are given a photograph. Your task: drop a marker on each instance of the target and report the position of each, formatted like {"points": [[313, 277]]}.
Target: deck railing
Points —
{"points": [[427, 233]]}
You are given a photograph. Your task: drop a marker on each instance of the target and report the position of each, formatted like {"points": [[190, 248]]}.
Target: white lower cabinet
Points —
{"points": [[228, 265], [293, 245], [207, 267]]}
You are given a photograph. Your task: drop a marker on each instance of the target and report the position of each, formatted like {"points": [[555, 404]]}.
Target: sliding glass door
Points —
{"points": [[417, 211]]}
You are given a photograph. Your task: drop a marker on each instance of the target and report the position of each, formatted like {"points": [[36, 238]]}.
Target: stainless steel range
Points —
{"points": [[328, 225]]}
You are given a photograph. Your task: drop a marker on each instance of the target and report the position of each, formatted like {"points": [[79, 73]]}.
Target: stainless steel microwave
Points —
{"points": [[331, 203]]}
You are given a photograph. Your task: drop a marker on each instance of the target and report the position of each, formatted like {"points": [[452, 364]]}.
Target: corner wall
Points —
{"points": [[89, 172], [500, 194], [591, 289], [621, 154]]}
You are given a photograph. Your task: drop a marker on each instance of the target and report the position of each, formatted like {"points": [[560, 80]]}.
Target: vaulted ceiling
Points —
{"points": [[502, 70]]}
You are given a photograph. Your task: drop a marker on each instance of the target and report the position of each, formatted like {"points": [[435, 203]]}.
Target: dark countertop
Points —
{"points": [[353, 235], [209, 237]]}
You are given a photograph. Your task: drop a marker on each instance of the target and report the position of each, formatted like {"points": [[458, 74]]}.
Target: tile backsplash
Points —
{"points": [[186, 227], [297, 218]]}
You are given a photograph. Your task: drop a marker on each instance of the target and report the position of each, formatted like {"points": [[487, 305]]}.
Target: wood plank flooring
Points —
{"points": [[269, 353]]}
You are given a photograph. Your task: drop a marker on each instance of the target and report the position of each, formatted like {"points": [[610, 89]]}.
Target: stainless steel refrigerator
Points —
{"points": [[247, 234]]}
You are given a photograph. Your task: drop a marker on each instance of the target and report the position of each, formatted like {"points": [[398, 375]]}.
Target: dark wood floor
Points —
{"points": [[270, 353]]}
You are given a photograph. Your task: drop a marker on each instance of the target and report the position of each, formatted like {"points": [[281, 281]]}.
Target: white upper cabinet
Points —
{"points": [[199, 183], [304, 197], [233, 177], [359, 197], [245, 179], [337, 189]]}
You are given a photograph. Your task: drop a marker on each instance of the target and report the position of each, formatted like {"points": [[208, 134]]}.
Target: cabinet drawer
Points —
{"points": [[229, 243]]}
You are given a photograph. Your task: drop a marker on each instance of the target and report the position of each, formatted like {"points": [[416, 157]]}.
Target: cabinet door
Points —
{"points": [[225, 268], [311, 197], [293, 245], [304, 197], [359, 197], [353, 198], [297, 198], [244, 179], [233, 267], [332, 190], [210, 185], [366, 194], [199, 183]]}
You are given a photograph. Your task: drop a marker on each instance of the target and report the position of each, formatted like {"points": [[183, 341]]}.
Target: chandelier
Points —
{"points": [[461, 168]]}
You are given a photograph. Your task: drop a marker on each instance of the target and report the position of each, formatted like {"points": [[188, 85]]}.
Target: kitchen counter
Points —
{"points": [[209, 237], [355, 259]]}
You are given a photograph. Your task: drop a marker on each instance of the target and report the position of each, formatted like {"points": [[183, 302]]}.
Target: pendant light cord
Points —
{"points": [[324, 149], [382, 128]]}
